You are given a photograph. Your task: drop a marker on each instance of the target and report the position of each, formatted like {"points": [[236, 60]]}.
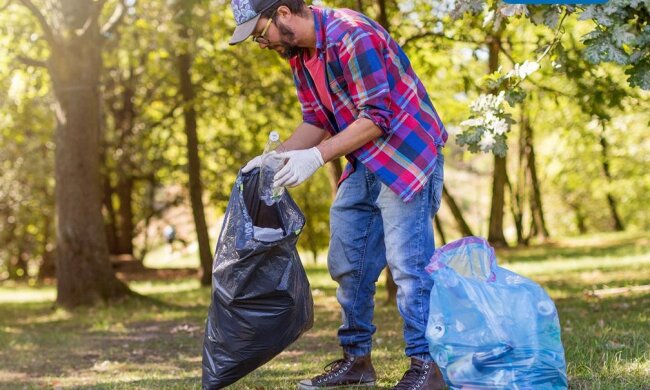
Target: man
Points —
{"points": [[361, 99]]}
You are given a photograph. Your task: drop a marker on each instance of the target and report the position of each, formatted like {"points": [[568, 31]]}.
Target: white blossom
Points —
{"points": [[489, 16], [472, 122], [526, 69], [490, 118], [513, 9], [500, 126], [488, 102], [487, 141]]}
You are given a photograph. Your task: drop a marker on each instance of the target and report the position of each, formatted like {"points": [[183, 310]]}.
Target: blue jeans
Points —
{"points": [[369, 226]]}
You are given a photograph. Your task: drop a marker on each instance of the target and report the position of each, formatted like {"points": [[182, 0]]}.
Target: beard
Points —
{"points": [[287, 42]]}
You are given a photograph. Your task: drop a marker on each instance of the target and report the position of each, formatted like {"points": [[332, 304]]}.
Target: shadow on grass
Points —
{"points": [[146, 338], [550, 251], [187, 383]]}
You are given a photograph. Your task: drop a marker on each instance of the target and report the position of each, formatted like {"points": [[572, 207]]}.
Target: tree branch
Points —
{"points": [[47, 29], [426, 34], [508, 56], [115, 19], [4, 7], [32, 62]]}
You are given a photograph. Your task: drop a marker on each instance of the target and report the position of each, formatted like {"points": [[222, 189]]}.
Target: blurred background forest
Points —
{"points": [[118, 118]]}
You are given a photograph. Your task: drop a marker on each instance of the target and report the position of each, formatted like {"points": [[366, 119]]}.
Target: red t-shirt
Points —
{"points": [[315, 67]]}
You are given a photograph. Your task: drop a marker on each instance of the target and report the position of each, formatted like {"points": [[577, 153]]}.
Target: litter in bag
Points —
{"points": [[488, 327], [261, 300]]}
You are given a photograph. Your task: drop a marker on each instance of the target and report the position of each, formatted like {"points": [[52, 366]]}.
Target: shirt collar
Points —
{"points": [[319, 26]]}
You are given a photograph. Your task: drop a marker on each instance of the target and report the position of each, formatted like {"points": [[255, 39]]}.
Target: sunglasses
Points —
{"points": [[261, 39]]}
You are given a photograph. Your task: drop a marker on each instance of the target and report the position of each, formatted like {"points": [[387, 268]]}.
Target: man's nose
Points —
{"points": [[263, 45]]}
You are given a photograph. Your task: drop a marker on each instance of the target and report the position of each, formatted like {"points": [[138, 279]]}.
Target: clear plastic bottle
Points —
{"points": [[271, 163]]}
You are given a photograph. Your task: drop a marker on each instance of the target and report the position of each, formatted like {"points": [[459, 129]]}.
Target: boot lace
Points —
{"points": [[413, 378], [332, 370]]}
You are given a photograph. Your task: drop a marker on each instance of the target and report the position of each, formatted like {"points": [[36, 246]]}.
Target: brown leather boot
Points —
{"points": [[421, 376], [346, 372]]}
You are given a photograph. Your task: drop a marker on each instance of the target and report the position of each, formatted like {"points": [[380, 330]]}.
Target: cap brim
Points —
{"points": [[244, 31]]}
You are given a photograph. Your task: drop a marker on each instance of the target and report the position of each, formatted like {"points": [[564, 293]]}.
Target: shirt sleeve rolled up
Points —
{"points": [[364, 69]]}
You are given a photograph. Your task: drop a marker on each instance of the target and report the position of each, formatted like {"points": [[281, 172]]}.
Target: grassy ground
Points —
{"points": [[155, 342]]}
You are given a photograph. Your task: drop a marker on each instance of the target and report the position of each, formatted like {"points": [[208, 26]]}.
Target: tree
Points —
{"points": [[184, 65], [84, 273]]}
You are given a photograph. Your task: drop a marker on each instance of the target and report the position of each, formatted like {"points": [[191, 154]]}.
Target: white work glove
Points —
{"points": [[299, 166], [252, 164]]}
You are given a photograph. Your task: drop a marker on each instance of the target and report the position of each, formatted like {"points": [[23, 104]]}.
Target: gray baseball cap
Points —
{"points": [[247, 13]]}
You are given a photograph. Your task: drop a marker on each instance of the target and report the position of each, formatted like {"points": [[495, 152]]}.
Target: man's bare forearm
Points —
{"points": [[304, 137], [359, 133]]}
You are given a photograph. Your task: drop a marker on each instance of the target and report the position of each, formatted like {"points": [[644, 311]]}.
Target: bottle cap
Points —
{"points": [[274, 136]]}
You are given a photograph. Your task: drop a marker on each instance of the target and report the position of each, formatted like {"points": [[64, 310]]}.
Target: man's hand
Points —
{"points": [[300, 165], [252, 164]]}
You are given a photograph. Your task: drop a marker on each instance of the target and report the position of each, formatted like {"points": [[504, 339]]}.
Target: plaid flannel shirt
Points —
{"points": [[369, 76]]}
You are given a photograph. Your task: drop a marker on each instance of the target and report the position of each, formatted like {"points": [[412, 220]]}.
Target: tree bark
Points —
{"points": [[536, 207], [110, 218], [456, 212], [495, 231], [382, 18], [613, 209], [441, 232], [580, 218], [124, 119], [518, 191], [334, 172], [517, 214], [499, 178], [84, 273], [184, 64], [125, 234]]}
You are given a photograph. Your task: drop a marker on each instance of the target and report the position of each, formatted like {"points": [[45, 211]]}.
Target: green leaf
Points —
{"points": [[515, 96], [639, 75], [500, 147], [602, 49]]}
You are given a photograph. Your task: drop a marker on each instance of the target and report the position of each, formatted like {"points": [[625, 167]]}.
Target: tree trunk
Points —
{"points": [[184, 63], [495, 231], [456, 212], [391, 287], [580, 218], [617, 222], [47, 268], [499, 178], [125, 228], [536, 208], [517, 214], [439, 229], [124, 119], [84, 273], [518, 191], [382, 18], [334, 172], [110, 218]]}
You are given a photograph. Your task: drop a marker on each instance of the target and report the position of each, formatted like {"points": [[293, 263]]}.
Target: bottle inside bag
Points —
{"points": [[271, 163]]}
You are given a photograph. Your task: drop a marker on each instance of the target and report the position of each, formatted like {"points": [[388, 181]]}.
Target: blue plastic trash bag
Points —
{"points": [[490, 328], [261, 300]]}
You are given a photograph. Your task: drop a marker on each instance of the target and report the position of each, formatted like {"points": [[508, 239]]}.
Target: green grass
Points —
{"points": [[155, 342]]}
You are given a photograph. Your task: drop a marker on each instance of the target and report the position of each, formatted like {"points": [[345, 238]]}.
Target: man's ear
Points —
{"points": [[283, 11]]}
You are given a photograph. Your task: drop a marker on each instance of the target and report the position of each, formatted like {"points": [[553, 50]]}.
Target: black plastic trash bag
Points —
{"points": [[261, 300]]}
